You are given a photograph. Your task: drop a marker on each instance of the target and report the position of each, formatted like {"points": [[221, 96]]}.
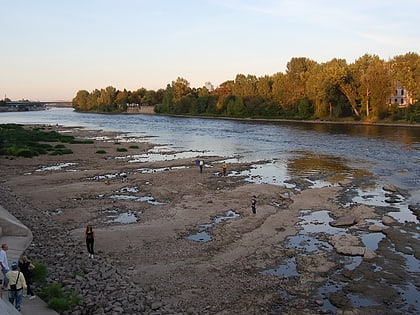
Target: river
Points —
{"points": [[391, 153], [320, 153]]}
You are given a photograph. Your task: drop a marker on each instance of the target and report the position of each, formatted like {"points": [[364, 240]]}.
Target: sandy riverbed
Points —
{"points": [[170, 201]]}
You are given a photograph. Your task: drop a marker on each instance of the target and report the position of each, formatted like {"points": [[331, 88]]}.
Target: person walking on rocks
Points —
{"points": [[201, 166], [26, 267], [16, 285], [90, 239], [224, 166], [4, 264], [254, 204]]}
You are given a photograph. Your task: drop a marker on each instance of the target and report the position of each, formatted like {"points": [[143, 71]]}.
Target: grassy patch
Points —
{"points": [[18, 141]]}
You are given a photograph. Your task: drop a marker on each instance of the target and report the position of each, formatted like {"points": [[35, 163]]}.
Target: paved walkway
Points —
{"points": [[18, 237]]}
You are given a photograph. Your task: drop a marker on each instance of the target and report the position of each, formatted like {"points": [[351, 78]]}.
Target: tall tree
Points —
{"points": [[374, 86], [297, 73], [181, 88], [406, 70]]}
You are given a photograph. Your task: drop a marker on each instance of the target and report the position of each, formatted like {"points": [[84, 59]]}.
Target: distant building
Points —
{"points": [[401, 96], [209, 86]]}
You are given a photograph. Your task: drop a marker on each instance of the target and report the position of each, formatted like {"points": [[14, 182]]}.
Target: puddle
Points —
{"points": [[109, 176], [371, 240], [147, 199], [288, 269], [200, 237], [377, 197], [162, 169], [151, 156], [129, 190], [124, 218], [314, 226], [57, 211], [203, 235], [57, 167]]}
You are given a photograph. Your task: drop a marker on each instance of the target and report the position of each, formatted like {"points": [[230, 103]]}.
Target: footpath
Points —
{"points": [[18, 237]]}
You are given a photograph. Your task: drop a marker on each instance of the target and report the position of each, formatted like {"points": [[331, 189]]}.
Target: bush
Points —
{"points": [[133, 146], [58, 304], [101, 152], [61, 151], [121, 150], [52, 291], [39, 274], [58, 300]]}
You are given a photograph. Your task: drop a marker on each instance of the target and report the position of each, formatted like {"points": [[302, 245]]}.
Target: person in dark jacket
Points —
{"points": [[90, 240], [26, 267]]}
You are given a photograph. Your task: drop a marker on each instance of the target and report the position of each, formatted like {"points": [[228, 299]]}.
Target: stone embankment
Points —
{"points": [[68, 264]]}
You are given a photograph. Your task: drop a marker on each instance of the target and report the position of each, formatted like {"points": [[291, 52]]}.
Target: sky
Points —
{"points": [[49, 49]]}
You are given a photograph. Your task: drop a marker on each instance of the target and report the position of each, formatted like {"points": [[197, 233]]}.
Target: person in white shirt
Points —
{"points": [[4, 264]]}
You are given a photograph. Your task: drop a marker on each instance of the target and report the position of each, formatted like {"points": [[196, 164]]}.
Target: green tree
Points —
{"points": [[297, 73], [181, 88], [406, 70], [374, 86], [80, 101], [245, 85]]}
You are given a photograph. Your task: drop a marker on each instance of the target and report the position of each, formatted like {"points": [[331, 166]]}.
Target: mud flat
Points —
{"points": [[181, 242]]}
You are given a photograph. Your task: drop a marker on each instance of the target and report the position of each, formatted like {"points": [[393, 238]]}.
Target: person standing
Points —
{"points": [[224, 166], [90, 239], [254, 204], [16, 285], [201, 166], [26, 268], [4, 264]]}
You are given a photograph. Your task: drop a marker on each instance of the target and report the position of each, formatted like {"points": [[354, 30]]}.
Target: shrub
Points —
{"points": [[58, 300], [52, 291], [58, 304], [121, 150], [133, 146], [61, 151], [39, 274], [101, 152]]}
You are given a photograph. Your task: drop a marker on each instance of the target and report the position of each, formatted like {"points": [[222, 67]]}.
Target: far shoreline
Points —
{"points": [[149, 110]]}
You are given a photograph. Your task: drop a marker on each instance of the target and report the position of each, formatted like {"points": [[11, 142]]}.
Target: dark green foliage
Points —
{"points": [[101, 152], [57, 299], [18, 141], [61, 151], [133, 146], [121, 150], [39, 273]]}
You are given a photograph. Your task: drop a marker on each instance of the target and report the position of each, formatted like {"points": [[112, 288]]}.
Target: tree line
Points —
{"points": [[306, 90]]}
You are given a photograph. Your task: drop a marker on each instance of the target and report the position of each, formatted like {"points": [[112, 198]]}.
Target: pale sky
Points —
{"points": [[51, 49]]}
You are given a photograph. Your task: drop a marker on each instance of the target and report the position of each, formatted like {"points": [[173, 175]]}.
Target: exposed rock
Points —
{"points": [[343, 221], [388, 220]]}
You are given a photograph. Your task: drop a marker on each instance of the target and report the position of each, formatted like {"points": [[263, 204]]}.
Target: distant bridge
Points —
{"points": [[19, 106]]}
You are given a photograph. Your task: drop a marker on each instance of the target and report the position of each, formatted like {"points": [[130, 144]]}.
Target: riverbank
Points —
{"points": [[174, 240]]}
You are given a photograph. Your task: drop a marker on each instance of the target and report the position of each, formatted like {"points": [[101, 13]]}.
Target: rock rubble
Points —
{"points": [[69, 265]]}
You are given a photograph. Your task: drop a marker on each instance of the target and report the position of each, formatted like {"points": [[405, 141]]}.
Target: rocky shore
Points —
{"points": [[145, 213]]}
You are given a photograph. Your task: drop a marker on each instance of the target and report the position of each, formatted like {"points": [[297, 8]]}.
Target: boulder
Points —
{"points": [[344, 221]]}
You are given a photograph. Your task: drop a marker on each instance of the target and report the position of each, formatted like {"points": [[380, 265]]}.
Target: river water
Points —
{"points": [[279, 151], [390, 153]]}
